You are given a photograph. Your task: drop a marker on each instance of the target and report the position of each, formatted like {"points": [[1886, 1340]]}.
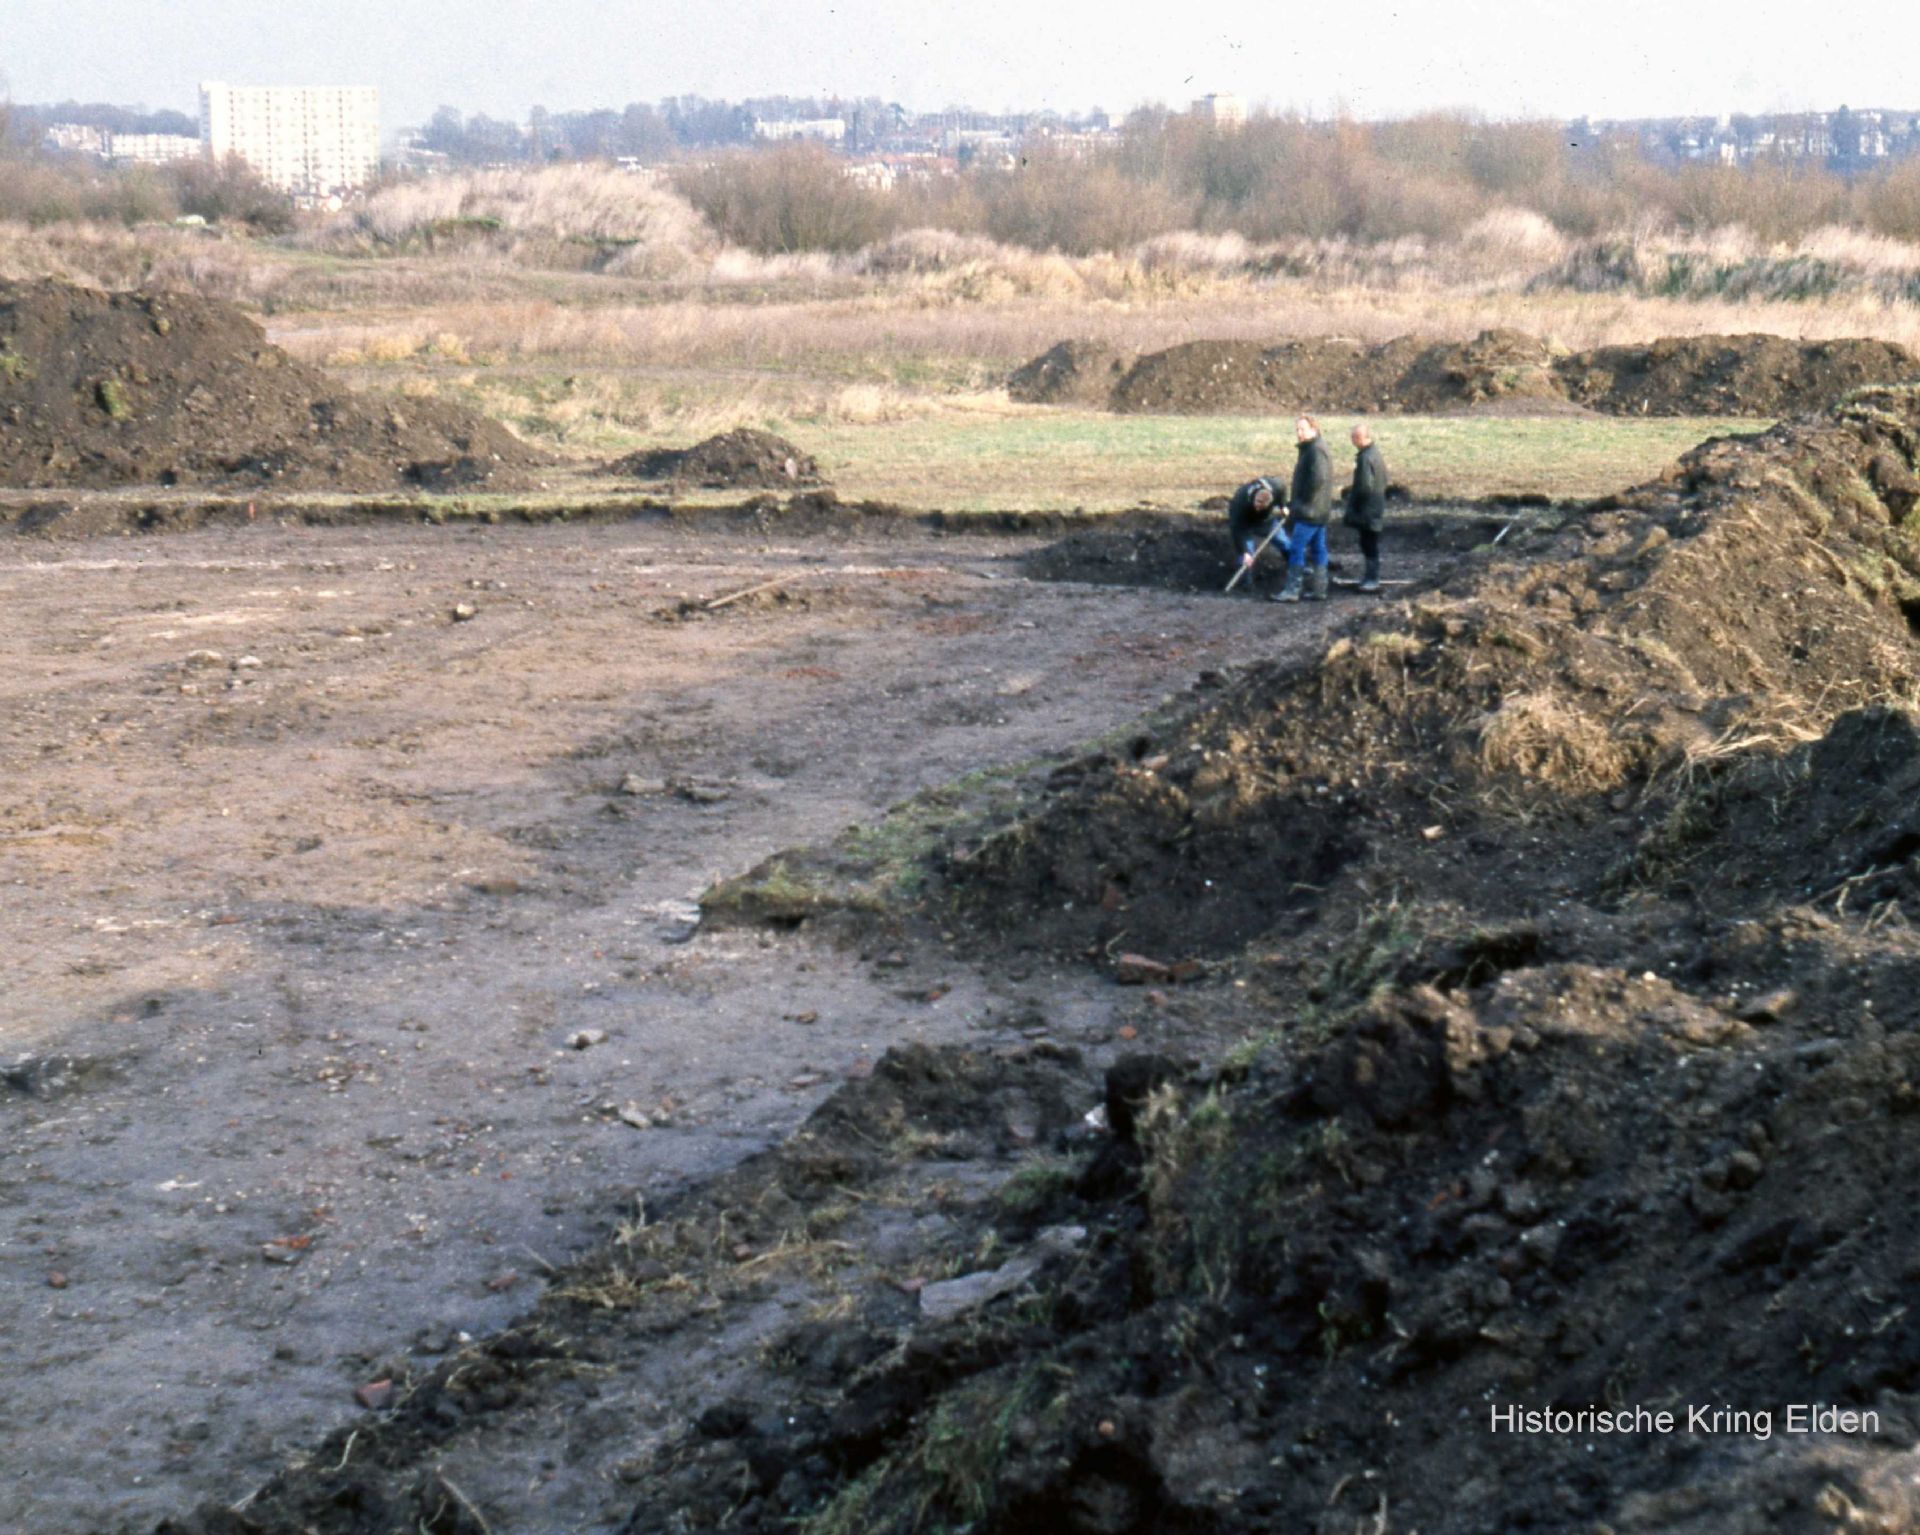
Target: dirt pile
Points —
{"points": [[1497, 370], [101, 389], [1730, 375], [1070, 373], [742, 459]]}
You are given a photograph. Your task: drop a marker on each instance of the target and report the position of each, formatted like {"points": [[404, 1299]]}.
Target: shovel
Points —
{"points": [[1256, 557]]}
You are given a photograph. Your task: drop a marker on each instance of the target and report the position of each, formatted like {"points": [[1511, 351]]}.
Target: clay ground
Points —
{"points": [[295, 948]]}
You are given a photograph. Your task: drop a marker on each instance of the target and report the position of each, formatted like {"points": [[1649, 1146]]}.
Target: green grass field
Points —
{"points": [[979, 452], [1060, 460]]}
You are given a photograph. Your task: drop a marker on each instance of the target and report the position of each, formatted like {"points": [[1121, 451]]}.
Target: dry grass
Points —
{"points": [[1537, 737], [906, 327]]}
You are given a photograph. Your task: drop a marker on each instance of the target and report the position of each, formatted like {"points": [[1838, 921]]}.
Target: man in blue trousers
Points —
{"points": [[1309, 505]]}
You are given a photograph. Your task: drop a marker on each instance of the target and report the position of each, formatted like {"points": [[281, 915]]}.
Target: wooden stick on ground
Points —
{"points": [[731, 597], [1256, 557]]}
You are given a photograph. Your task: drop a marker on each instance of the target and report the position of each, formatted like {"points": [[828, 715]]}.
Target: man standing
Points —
{"points": [[1367, 502], [1249, 520], [1309, 504]]}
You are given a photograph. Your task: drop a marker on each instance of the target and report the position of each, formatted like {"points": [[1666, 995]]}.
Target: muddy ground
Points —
{"points": [[355, 983], [1509, 1001]]}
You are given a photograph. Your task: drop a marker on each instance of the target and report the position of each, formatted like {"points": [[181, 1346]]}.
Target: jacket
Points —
{"points": [[1311, 498], [1367, 499]]}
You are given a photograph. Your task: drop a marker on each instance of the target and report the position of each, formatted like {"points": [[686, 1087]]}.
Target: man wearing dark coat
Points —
{"points": [[1366, 510], [1250, 518], [1309, 505]]}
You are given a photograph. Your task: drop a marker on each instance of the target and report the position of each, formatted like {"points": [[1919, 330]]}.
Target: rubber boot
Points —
{"points": [[1317, 584], [1291, 591], [1370, 582]]}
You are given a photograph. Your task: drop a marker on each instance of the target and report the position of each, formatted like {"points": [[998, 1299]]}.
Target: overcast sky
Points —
{"points": [[1503, 58]]}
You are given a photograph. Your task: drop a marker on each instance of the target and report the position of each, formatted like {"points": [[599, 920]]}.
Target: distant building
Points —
{"points": [[824, 130], [311, 141], [1222, 111], [153, 148], [78, 139]]}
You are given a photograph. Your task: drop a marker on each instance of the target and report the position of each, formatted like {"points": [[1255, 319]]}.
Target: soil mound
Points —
{"points": [[101, 389], [1502, 370], [743, 459], [1730, 375], [1070, 373]]}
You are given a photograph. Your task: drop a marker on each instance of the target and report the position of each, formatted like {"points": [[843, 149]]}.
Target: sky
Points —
{"points": [[1500, 58]]}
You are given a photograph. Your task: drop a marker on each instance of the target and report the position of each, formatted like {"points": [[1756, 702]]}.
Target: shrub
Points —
{"points": [[785, 200], [232, 193]]}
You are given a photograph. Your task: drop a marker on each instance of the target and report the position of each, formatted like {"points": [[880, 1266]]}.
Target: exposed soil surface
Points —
{"points": [[1070, 373], [1498, 370], [742, 459], [328, 845], [1503, 995], [104, 389], [1563, 914], [1196, 555]]}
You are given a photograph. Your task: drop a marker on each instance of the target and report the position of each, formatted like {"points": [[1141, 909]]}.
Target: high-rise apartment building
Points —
{"points": [[1220, 109], [311, 141]]}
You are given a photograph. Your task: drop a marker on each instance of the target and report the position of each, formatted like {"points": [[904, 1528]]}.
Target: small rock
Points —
{"points": [[287, 1251], [1137, 970], [464, 611], [679, 920], [1771, 1007], [809, 1016], [1433, 833], [950, 1297], [806, 1079], [503, 1281], [56, 1280], [204, 658], [632, 1114], [433, 1340], [633, 783], [699, 793], [248, 663], [586, 1039], [1542, 1243], [1743, 1170], [375, 1395]]}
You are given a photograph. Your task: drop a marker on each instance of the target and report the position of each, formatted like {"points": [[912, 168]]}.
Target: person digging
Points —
{"points": [[1366, 510], [1309, 505], [1252, 525]]}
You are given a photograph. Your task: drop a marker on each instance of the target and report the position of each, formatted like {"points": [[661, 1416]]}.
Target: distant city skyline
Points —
{"points": [[1501, 58]]}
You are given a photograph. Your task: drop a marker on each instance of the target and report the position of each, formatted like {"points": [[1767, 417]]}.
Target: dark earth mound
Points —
{"points": [[1499, 370], [100, 389], [742, 459], [1070, 373], [1730, 375]]}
